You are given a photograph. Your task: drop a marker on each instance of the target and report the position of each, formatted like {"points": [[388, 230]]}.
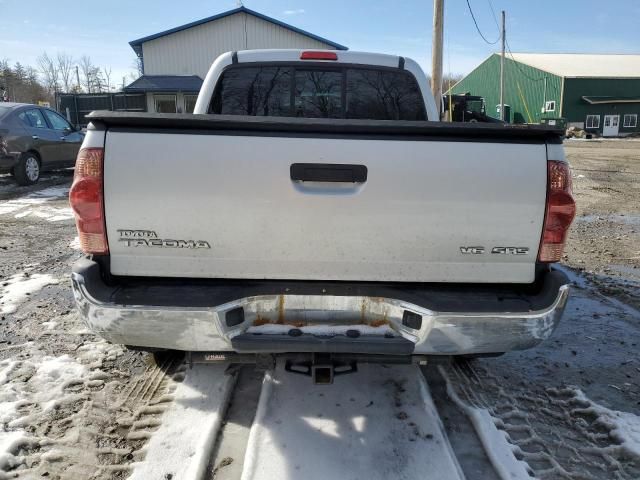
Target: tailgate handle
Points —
{"points": [[328, 172]]}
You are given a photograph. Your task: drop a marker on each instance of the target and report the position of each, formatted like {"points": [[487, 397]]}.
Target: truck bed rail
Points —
{"points": [[328, 127]]}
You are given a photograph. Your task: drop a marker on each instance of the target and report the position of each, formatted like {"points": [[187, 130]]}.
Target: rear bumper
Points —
{"points": [[398, 320]]}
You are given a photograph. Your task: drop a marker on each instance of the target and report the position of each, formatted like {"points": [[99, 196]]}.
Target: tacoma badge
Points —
{"points": [[149, 238]]}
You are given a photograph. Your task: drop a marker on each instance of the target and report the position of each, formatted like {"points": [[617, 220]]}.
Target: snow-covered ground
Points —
{"points": [[37, 204], [17, 289], [378, 423], [181, 446]]}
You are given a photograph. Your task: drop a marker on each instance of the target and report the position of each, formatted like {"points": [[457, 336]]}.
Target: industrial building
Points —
{"points": [[596, 92], [174, 62]]}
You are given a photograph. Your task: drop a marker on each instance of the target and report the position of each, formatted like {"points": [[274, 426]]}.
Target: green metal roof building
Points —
{"points": [[600, 93]]}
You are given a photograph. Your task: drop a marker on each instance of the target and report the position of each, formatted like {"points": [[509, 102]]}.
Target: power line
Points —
{"points": [[478, 28], [517, 64], [493, 12]]}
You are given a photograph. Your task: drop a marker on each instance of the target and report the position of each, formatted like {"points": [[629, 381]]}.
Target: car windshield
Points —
{"points": [[4, 111]]}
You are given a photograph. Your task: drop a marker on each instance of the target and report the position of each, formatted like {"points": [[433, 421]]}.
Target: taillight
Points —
{"points": [[319, 56], [561, 209], [87, 201]]}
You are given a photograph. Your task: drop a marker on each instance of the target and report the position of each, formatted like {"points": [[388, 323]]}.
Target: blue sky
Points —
{"points": [[28, 27]]}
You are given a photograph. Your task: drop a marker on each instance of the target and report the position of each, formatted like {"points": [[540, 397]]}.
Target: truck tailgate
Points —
{"points": [[197, 204]]}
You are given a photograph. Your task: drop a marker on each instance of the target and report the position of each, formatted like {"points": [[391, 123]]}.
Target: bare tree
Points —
{"points": [[107, 76], [49, 71], [20, 84], [97, 80], [65, 68], [137, 64], [87, 69], [448, 81]]}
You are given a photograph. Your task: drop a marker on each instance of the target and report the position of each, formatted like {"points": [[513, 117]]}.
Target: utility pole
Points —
{"points": [[502, 68], [436, 53], [78, 78]]}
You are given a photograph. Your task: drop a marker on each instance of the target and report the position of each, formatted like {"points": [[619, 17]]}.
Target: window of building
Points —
{"points": [[165, 103], [190, 103], [630, 120], [550, 106], [593, 121]]}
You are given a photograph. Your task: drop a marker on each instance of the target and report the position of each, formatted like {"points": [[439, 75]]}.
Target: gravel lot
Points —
{"points": [[605, 238], [74, 407]]}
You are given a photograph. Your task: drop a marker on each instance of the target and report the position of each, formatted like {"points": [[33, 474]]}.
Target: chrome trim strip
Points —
{"points": [[204, 328]]}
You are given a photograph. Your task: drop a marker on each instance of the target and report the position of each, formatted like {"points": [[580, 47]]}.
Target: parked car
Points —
{"points": [[314, 205], [34, 139]]}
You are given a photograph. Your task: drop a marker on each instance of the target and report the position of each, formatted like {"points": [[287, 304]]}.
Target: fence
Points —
{"points": [[75, 107]]}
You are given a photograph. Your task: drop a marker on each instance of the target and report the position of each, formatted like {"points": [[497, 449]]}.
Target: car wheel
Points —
{"points": [[27, 170]]}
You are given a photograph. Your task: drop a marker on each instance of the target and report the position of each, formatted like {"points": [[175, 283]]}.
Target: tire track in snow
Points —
{"points": [[71, 417], [557, 432], [181, 445]]}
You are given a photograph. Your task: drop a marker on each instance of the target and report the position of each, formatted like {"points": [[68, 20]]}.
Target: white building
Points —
{"points": [[176, 61]]}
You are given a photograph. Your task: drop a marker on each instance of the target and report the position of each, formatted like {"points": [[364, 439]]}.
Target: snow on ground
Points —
{"points": [[19, 287], [181, 446], [378, 423], [75, 243], [496, 444], [37, 204], [623, 426], [46, 387]]}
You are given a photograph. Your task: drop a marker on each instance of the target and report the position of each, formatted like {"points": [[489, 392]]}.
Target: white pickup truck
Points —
{"points": [[314, 204]]}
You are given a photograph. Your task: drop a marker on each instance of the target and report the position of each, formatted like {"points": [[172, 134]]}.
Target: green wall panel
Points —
{"points": [[525, 89]]}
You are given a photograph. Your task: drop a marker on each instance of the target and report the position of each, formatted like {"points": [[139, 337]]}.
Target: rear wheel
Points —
{"points": [[27, 170]]}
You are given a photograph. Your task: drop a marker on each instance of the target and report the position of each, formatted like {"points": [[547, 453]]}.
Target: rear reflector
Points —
{"points": [[560, 212], [87, 201], [319, 56]]}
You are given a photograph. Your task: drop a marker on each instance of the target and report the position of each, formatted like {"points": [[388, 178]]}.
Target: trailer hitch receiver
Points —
{"points": [[321, 368]]}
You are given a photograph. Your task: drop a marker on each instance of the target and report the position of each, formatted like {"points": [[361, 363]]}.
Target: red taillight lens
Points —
{"points": [[319, 56], [561, 210], [87, 201]]}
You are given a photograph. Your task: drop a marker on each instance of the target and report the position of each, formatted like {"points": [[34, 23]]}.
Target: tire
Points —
{"points": [[27, 170]]}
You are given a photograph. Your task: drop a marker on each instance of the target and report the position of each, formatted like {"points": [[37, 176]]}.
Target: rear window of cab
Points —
{"points": [[318, 92]]}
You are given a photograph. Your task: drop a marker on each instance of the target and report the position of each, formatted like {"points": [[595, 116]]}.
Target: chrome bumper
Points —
{"points": [[207, 328]]}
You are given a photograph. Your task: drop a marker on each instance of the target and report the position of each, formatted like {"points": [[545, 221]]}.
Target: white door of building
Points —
{"points": [[611, 126]]}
